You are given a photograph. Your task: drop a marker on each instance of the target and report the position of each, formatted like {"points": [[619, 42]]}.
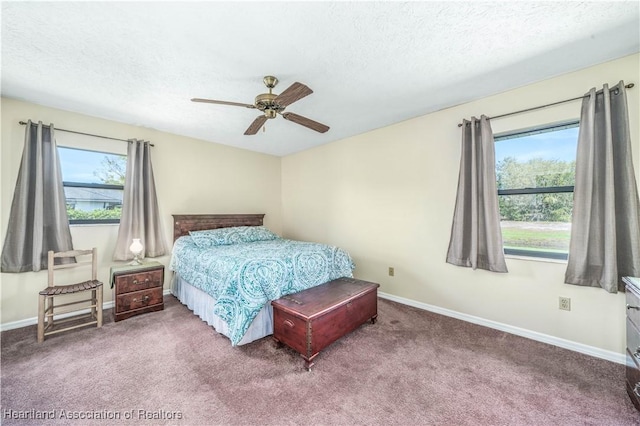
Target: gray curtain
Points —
{"points": [[605, 229], [476, 238], [140, 215], [38, 219]]}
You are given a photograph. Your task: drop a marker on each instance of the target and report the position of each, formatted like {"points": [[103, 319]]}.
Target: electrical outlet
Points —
{"points": [[564, 303], [391, 271]]}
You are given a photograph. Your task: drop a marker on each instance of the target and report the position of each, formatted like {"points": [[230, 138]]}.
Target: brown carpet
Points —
{"points": [[412, 367]]}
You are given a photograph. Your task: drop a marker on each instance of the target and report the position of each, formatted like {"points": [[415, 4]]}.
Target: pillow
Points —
{"points": [[234, 235]]}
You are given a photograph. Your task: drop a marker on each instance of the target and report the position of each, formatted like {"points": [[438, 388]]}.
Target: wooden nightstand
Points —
{"points": [[137, 289]]}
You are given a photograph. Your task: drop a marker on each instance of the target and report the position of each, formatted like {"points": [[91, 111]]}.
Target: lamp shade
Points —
{"points": [[136, 247]]}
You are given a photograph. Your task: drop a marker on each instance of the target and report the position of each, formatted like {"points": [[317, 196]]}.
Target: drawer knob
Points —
{"points": [[143, 300], [288, 323], [632, 307], [136, 281]]}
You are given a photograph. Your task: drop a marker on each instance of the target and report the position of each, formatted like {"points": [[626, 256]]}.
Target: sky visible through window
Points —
{"points": [[557, 145], [79, 165]]}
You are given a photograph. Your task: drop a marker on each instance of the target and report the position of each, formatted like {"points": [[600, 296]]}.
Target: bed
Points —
{"points": [[227, 269]]}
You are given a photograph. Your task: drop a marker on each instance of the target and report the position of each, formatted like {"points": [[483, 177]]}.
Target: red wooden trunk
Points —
{"points": [[310, 320]]}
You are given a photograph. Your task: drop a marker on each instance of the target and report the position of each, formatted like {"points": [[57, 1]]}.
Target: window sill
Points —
{"points": [[535, 259]]}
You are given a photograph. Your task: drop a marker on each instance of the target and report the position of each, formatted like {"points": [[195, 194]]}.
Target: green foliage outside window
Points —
{"points": [[98, 214], [112, 170], [535, 173]]}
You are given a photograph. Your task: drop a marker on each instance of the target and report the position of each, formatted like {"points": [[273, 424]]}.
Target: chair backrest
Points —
{"points": [[51, 266]]}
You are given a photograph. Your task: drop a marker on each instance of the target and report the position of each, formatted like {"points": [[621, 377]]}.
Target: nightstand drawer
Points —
{"points": [[138, 299], [633, 381], [633, 305], [139, 281]]}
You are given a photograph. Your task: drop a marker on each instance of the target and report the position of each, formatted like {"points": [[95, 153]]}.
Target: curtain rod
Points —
{"points": [[627, 86], [24, 123]]}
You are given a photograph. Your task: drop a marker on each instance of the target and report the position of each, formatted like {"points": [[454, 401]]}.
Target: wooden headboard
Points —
{"points": [[183, 223]]}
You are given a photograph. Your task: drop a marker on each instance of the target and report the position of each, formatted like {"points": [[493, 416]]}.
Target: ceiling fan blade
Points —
{"points": [[306, 122], [293, 93], [255, 126], [211, 101]]}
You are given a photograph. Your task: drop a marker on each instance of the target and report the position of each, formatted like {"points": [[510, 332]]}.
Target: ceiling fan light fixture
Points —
{"points": [[269, 113]]}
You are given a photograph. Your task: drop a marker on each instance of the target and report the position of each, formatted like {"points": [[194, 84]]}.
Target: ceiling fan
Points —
{"points": [[271, 104]]}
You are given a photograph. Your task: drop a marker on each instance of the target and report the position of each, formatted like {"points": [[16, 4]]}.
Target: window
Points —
{"points": [[93, 185], [535, 170]]}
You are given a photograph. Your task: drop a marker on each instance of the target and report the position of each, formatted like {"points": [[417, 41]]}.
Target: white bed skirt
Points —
{"points": [[202, 305]]}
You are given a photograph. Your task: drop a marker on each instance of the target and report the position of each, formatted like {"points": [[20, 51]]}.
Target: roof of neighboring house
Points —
{"points": [[93, 194]]}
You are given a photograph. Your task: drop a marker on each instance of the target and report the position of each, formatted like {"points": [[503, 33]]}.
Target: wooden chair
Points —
{"points": [[46, 297]]}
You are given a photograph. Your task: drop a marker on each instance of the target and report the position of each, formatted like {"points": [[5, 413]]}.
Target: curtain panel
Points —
{"points": [[140, 215], [476, 238], [38, 219], [605, 229]]}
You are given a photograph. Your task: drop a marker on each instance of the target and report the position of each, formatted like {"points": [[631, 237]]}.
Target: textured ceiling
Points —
{"points": [[370, 64]]}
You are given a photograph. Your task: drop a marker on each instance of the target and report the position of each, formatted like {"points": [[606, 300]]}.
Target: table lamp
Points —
{"points": [[136, 248]]}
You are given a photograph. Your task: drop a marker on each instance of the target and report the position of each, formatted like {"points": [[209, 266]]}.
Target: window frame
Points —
{"points": [[528, 191], [70, 184]]}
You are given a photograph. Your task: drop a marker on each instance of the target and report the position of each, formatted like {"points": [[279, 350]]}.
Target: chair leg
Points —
{"points": [[41, 303], [49, 307], [99, 306], [94, 304]]}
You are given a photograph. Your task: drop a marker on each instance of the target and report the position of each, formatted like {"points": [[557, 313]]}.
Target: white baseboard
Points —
{"points": [[32, 321], [533, 335]]}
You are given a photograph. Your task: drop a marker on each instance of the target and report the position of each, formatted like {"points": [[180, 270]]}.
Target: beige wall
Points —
{"points": [[387, 196], [192, 176]]}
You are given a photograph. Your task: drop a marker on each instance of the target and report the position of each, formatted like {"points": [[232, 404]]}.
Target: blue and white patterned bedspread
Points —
{"points": [[244, 277]]}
